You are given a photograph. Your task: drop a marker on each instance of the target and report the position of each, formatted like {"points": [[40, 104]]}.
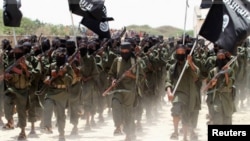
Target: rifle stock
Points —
{"points": [[16, 63], [105, 44], [68, 63]]}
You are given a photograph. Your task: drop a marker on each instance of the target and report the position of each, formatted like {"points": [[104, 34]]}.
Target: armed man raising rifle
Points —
{"points": [[220, 98], [58, 81], [75, 88], [5, 51], [89, 75], [18, 81]]}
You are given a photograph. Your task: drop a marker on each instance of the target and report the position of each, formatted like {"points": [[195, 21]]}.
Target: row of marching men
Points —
{"points": [[90, 75], [41, 77]]}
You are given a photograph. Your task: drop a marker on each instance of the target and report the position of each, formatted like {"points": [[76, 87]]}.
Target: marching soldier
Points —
{"points": [[221, 99], [241, 79], [75, 88], [108, 59], [185, 99], [102, 83], [124, 96], [33, 98], [5, 49], [89, 75], [9, 103], [19, 81], [58, 81]]}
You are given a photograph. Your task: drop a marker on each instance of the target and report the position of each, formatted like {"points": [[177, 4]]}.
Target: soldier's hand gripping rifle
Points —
{"points": [[223, 71], [16, 63], [114, 84], [63, 69], [55, 74], [102, 48]]}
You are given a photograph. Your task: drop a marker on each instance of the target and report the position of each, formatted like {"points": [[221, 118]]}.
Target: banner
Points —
{"points": [[94, 15], [227, 24], [101, 28], [12, 16], [95, 8], [206, 4]]}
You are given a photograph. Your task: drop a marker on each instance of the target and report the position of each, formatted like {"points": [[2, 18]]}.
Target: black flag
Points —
{"points": [[94, 15], [95, 8], [12, 16], [206, 4], [101, 28], [227, 24]]}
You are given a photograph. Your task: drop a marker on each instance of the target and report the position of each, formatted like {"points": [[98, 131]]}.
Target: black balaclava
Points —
{"points": [[6, 45], [36, 51], [91, 47], [45, 45], [83, 51], [18, 52], [60, 56], [220, 63], [56, 43], [180, 57], [60, 60], [71, 47], [27, 47]]}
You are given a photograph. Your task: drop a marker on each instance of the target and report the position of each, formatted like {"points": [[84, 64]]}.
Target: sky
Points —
{"points": [[154, 13]]}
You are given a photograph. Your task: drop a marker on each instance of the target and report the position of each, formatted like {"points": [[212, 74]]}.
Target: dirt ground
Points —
{"points": [[159, 130]]}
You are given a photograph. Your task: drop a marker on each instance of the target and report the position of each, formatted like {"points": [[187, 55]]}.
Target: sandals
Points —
{"points": [[47, 130], [193, 137], [8, 126], [74, 131], [22, 137], [61, 138], [118, 132], [174, 136]]}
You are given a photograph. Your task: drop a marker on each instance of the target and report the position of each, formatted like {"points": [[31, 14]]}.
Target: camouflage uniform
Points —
{"points": [[124, 95], [89, 74], [101, 85], [186, 99], [241, 73], [107, 62], [222, 104], [19, 85], [57, 95]]}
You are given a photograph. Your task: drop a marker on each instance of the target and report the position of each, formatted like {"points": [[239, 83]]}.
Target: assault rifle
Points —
{"points": [[105, 44], [107, 91], [219, 73], [69, 62], [16, 63], [55, 75]]}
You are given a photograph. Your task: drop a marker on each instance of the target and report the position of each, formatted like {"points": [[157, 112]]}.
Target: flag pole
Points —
{"points": [[184, 68], [73, 26], [185, 22], [14, 35], [183, 42]]}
